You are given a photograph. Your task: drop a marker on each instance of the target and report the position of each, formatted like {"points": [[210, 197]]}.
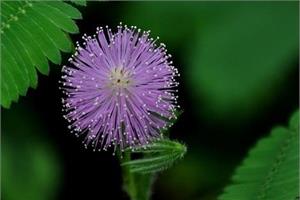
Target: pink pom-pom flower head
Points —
{"points": [[119, 89]]}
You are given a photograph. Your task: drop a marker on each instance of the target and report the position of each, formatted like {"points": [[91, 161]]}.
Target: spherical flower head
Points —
{"points": [[119, 89]]}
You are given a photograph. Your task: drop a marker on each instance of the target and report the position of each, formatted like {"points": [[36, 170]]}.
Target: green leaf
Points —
{"points": [[57, 18], [271, 169], [162, 154], [69, 10], [237, 63], [158, 156], [79, 2], [31, 33]]}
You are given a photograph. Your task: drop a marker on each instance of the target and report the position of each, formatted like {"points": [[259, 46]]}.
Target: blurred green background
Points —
{"points": [[239, 65]]}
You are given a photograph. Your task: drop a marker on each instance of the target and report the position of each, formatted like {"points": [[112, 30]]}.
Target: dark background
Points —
{"points": [[239, 78]]}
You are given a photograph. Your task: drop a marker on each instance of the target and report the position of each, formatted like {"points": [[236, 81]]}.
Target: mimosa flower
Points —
{"points": [[119, 89]]}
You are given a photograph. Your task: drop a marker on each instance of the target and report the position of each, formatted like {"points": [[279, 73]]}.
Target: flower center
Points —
{"points": [[119, 78]]}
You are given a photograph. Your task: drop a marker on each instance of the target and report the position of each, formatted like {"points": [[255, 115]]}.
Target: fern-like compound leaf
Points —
{"points": [[158, 156], [271, 170], [31, 33]]}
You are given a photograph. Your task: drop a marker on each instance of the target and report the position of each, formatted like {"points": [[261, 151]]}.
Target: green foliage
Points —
{"points": [[158, 156], [31, 33], [29, 164], [237, 63], [139, 174], [79, 2], [271, 170]]}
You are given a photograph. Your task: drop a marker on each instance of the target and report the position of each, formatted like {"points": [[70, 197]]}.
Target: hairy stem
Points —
{"points": [[128, 178], [137, 186]]}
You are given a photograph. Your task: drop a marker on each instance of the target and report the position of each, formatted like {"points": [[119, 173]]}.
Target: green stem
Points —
{"points": [[128, 178], [137, 186]]}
